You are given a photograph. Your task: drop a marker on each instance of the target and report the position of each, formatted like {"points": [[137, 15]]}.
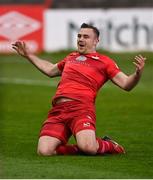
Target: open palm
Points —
{"points": [[20, 48]]}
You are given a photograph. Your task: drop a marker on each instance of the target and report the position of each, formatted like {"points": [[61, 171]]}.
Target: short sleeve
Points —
{"points": [[61, 64], [112, 69]]}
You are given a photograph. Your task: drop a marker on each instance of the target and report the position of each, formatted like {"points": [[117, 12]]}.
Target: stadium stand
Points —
{"points": [[21, 2], [86, 3], [101, 3]]}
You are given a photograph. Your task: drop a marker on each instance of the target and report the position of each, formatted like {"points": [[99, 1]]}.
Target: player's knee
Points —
{"points": [[45, 151], [88, 148]]}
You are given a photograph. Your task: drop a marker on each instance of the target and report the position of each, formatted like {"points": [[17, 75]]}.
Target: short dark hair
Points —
{"points": [[96, 31]]}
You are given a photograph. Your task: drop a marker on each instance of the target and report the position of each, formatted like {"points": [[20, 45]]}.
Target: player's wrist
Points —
{"points": [[138, 73], [29, 56]]}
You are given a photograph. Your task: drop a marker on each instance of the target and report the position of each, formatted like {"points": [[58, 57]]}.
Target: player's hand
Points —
{"points": [[20, 48], [139, 62]]}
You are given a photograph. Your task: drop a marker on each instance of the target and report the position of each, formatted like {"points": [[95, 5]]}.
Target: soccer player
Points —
{"points": [[82, 73]]}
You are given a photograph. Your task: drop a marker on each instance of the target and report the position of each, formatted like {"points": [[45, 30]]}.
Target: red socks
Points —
{"points": [[105, 147], [68, 150]]}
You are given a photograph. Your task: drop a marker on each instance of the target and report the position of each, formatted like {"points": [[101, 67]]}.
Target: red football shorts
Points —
{"points": [[68, 118]]}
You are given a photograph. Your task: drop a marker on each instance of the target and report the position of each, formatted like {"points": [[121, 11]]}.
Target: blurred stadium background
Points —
{"points": [[85, 3], [25, 97]]}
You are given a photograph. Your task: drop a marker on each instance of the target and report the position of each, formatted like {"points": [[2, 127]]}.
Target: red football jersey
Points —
{"points": [[83, 75]]}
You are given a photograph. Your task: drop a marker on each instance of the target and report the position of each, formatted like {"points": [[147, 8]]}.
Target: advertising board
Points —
{"points": [[121, 29], [21, 22]]}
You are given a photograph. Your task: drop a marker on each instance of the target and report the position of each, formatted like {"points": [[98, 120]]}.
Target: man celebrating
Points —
{"points": [[82, 73]]}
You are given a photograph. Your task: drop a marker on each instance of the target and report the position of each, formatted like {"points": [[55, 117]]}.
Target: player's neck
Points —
{"points": [[88, 52]]}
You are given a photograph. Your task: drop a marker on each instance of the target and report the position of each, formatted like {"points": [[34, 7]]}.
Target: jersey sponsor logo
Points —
{"points": [[79, 62], [81, 58]]}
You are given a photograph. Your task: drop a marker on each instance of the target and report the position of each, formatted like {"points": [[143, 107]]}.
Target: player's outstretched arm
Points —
{"points": [[129, 82], [44, 66]]}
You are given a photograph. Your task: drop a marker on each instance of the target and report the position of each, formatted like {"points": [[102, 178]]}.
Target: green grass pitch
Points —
{"points": [[126, 116]]}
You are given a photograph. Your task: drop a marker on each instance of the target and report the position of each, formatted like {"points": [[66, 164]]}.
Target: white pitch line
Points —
{"points": [[51, 83], [32, 82]]}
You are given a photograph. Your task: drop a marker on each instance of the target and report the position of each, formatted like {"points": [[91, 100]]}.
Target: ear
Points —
{"points": [[96, 41]]}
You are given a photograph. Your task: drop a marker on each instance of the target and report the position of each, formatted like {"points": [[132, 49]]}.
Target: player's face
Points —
{"points": [[86, 41]]}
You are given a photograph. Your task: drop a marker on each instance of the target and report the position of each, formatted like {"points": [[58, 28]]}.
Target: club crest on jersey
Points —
{"points": [[81, 58]]}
